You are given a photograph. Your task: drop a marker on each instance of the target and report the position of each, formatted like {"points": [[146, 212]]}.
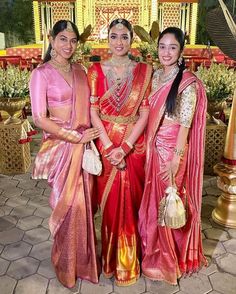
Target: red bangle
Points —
{"points": [[108, 150], [125, 147]]}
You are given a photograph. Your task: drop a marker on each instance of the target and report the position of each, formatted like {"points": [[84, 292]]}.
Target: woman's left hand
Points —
{"points": [[115, 156], [170, 169]]}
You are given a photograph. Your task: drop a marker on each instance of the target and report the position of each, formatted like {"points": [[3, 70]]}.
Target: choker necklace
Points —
{"points": [[166, 78], [120, 62], [63, 67]]}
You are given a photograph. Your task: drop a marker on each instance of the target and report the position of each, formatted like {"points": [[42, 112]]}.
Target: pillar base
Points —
{"points": [[225, 211]]}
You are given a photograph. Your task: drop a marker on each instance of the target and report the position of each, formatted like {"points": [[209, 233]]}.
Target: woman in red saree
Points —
{"points": [[175, 145], [119, 89], [60, 106]]}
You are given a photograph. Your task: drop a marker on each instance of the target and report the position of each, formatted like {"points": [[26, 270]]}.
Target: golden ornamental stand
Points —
{"points": [[225, 211]]}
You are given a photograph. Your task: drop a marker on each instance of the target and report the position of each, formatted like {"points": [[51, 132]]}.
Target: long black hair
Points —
{"points": [[58, 27], [123, 21], [171, 98]]}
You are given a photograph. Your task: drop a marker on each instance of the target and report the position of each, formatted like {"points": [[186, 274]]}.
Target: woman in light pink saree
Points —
{"points": [[175, 145], [60, 106]]}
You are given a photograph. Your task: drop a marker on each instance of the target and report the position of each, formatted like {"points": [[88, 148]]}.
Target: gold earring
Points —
{"points": [[180, 60], [53, 53]]}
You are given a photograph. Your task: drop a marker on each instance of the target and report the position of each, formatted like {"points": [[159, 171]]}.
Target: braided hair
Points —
{"points": [[171, 98]]}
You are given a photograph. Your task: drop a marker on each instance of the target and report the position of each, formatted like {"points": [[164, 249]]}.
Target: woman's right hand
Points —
{"points": [[90, 134]]}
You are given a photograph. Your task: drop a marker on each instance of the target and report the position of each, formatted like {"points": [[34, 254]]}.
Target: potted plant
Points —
{"points": [[148, 45], [220, 83], [14, 91]]}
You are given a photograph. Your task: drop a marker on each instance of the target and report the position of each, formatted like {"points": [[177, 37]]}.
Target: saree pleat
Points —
{"points": [[168, 253], [119, 193], [71, 221]]}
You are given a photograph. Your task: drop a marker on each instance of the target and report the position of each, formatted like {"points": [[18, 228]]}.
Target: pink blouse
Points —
{"points": [[48, 88]]}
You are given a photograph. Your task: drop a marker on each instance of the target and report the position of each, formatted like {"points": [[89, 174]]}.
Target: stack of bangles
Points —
{"points": [[179, 152], [126, 147], [70, 135]]}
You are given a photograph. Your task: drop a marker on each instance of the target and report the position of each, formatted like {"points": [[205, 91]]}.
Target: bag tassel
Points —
{"points": [[30, 131]]}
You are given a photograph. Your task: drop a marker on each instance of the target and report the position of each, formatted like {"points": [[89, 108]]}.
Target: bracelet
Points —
{"points": [[126, 146], [70, 135], [179, 152], [93, 99]]}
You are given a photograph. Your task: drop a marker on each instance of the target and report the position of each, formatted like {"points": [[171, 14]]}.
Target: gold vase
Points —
{"points": [[213, 108], [12, 106]]}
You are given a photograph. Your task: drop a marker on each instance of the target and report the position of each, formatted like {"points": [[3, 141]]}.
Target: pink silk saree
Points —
{"points": [[168, 253], [119, 193], [71, 222]]}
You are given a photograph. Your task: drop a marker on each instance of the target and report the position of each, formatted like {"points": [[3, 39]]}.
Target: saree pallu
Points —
{"points": [[71, 222], [168, 253], [119, 192]]}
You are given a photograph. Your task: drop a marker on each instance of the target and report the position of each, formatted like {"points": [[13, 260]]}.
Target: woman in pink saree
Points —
{"points": [[175, 146], [119, 88], [60, 106]]}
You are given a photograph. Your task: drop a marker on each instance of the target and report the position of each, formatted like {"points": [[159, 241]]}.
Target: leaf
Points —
{"points": [[154, 33], [142, 34], [86, 33]]}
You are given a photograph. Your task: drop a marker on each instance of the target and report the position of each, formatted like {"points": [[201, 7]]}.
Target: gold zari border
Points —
{"points": [[119, 119]]}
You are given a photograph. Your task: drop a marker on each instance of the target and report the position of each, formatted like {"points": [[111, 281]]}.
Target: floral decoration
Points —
{"points": [[14, 82], [219, 81]]}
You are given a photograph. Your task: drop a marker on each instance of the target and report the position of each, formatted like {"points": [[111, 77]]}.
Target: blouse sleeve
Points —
{"points": [[38, 94], [187, 103], [144, 106], [93, 84]]}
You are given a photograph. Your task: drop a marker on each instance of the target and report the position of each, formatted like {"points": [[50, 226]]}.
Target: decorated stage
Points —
{"points": [[35, 50]]}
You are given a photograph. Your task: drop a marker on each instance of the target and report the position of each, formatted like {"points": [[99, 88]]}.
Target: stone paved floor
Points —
{"points": [[25, 245]]}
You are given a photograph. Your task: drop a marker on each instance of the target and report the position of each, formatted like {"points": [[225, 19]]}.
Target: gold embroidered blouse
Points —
{"points": [[185, 102]]}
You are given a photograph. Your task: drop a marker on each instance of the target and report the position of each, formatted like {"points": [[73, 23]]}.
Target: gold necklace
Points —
{"points": [[166, 78], [120, 62], [64, 67]]}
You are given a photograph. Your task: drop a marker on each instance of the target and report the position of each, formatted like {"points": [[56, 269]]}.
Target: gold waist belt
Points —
{"points": [[119, 119]]}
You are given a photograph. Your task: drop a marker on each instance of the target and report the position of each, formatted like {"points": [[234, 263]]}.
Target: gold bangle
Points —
{"points": [[179, 152], [129, 144]]}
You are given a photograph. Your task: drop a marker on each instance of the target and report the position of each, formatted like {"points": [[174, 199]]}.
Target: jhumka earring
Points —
{"points": [[53, 53], [180, 60]]}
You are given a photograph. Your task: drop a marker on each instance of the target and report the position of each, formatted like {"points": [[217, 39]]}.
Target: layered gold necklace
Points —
{"points": [[166, 78], [63, 67], [120, 62]]}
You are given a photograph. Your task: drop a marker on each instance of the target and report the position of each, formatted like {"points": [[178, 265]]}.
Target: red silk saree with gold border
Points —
{"points": [[119, 193]]}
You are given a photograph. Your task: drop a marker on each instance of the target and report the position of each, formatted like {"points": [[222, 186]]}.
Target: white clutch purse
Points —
{"points": [[91, 159]]}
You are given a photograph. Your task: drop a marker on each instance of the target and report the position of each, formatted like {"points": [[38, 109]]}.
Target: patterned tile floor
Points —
{"points": [[25, 245]]}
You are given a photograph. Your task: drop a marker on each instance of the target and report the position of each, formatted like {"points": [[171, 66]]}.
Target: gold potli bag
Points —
{"points": [[172, 212]]}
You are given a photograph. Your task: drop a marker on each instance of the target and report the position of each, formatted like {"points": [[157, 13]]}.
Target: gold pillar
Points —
{"points": [[36, 21], [144, 14], [193, 29], [225, 211], [79, 15], [154, 12]]}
